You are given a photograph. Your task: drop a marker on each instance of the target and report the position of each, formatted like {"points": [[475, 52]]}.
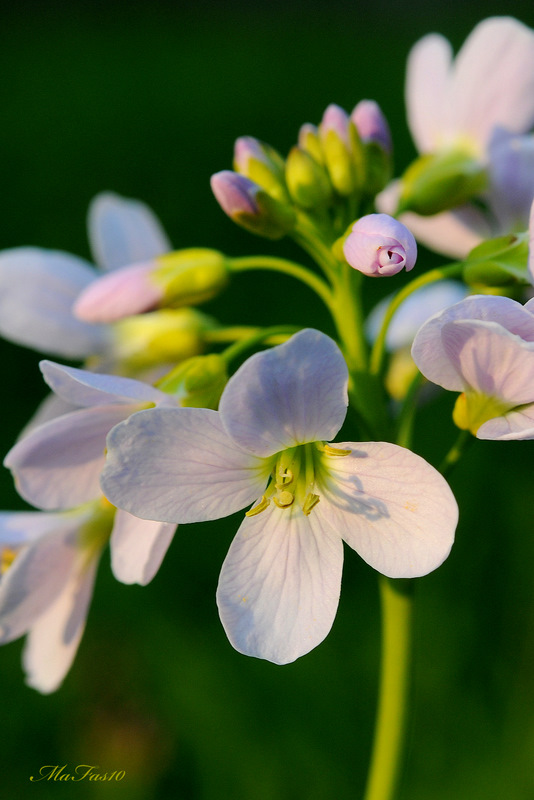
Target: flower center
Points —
{"points": [[473, 409], [297, 475]]}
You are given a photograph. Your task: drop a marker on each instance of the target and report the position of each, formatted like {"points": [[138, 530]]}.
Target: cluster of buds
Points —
{"points": [[331, 175]]}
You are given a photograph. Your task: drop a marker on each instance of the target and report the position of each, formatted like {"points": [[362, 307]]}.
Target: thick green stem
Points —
{"points": [[388, 748]]}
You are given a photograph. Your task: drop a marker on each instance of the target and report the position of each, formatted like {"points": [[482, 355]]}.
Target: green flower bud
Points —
{"points": [[198, 381], [307, 181], [191, 276], [438, 182], [498, 262]]}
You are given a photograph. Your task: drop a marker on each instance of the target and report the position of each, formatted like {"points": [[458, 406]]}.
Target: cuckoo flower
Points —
{"points": [[49, 564], [57, 464], [483, 347], [38, 287], [279, 586]]}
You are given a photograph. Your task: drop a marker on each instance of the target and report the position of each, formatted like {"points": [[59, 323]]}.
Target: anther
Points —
{"points": [[284, 499], [262, 505], [336, 451], [7, 558], [310, 502]]}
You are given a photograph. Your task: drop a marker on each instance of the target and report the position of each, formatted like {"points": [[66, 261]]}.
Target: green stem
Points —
{"points": [[317, 284], [465, 438], [261, 336], [234, 333], [379, 348], [388, 747]]}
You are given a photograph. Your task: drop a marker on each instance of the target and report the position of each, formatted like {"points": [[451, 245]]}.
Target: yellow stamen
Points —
{"points": [[335, 451], [7, 558], [262, 505], [284, 499], [310, 502]]}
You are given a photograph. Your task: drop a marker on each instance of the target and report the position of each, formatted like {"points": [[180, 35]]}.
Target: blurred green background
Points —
{"points": [[146, 99]]}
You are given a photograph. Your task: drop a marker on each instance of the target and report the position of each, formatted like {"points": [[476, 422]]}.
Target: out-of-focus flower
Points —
{"points": [[279, 586], [49, 563], [57, 465], [380, 245], [38, 287], [483, 347], [181, 278]]}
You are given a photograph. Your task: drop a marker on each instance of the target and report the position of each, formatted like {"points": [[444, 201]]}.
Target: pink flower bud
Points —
{"points": [[335, 119], [235, 194], [371, 124], [380, 245], [120, 293]]}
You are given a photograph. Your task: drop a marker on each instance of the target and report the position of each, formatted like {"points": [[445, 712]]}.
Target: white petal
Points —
{"points": [[179, 465], [493, 81], [58, 465], [279, 586], [37, 577], [83, 388], [427, 78], [491, 360], [428, 350], [50, 408], [18, 528], [292, 394], [124, 231], [138, 547], [390, 506], [514, 425], [37, 290], [53, 640]]}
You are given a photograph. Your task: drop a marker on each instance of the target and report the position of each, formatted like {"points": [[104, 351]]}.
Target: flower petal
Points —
{"points": [[58, 464], [138, 547], [493, 80], [514, 425], [491, 360], [18, 528], [390, 506], [279, 586], [292, 394], [427, 77], [179, 465], [37, 290], [83, 388], [38, 576], [123, 231], [428, 350], [53, 640]]}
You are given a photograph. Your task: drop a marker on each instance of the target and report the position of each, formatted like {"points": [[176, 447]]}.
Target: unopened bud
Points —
{"points": [[307, 181], [262, 164], [198, 381], [337, 148], [250, 206], [380, 245]]}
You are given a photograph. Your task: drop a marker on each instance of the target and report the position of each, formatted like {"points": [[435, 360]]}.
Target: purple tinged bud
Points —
{"points": [[337, 120], [235, 194], [371, 124], [118, 294], [380, 246], [309, 141]]}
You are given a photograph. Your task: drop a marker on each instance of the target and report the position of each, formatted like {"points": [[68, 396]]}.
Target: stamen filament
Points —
{"points": [[262, 505]]}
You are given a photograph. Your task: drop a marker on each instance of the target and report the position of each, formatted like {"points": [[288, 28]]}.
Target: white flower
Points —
{"points": [[57, 464], [49, 564], [279, 586], [38, 287]]}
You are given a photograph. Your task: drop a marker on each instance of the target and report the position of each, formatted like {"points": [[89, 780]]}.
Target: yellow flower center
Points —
{"points": [[473, 409]]}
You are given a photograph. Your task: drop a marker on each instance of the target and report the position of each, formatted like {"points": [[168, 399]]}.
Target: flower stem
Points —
{"points": [[259, 336], [388, 747], [379, 348], [317, 284], [464, 439]]}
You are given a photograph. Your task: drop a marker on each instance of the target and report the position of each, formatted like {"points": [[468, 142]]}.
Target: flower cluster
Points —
{"points": [[175, 418]]}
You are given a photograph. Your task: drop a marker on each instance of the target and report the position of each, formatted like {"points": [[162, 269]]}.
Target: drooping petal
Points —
{"points": [[123, 231], [428, 350], [517, 424], [389, 505], [138, 547], [83, 388], [37, 577], [292, 394], [493, 80], [58, 465], [279, 586], [37, 290], [427, 78], [53, 640], [491, 360], [179, 465]]}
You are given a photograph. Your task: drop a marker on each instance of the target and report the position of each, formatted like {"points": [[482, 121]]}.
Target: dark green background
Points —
{"points": [[146, 99]]}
